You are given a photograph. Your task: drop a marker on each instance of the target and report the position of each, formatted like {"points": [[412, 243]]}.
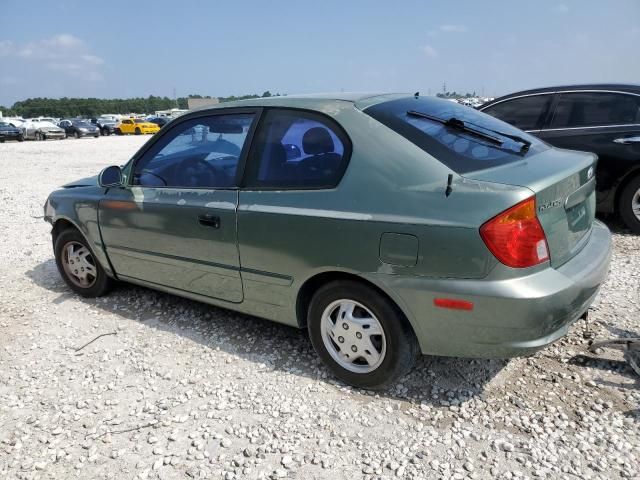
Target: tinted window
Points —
{"points": [[461, 151], [198, 153], [525, 113], [297, 150], [591, 109]]}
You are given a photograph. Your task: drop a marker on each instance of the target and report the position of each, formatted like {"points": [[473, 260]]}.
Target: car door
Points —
{"points": [[126, 126], [174, 223], [605, 123]]}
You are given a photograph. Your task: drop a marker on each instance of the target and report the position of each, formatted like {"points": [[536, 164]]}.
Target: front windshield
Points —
{"points": [[460, 150], [47, 124], [80, 123]]}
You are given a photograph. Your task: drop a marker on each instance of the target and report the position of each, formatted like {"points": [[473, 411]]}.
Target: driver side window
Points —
{"points": [[199, 153]]}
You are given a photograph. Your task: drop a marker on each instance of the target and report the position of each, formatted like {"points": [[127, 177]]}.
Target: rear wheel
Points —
{"points": [[138, 132], [118, 131], [21, 138], [76, 134], [629, 204], [360, 335], [78, 267], [38, 136]]}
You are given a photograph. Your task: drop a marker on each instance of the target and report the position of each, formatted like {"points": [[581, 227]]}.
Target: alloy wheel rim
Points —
{"points": [[353, 336], [635, 204], [79, 265]]}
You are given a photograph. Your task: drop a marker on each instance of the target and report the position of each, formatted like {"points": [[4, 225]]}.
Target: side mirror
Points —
{"points": [[110, 177]]}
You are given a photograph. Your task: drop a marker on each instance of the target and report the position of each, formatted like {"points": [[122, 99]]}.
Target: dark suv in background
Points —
{"points": [[604, 119]]}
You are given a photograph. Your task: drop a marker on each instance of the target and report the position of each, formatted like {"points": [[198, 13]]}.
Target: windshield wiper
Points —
{"points": [[525, 143], [458, 124]]}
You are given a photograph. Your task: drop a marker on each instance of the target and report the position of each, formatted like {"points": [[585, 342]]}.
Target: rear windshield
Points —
{"points": [[461, 151]]}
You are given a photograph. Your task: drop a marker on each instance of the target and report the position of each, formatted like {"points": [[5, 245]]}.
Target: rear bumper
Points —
{"points": [[512, 316]]}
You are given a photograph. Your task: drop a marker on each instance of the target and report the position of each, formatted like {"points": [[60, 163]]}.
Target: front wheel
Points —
{"points": [[629, 204], [76, 134], [78, 266], [118, 131], [361, 335], [38, 136], [138, 131], [21, 138]]}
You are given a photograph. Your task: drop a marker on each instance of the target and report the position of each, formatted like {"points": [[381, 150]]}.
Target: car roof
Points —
{"points": [[311, 101], [616, 87]]}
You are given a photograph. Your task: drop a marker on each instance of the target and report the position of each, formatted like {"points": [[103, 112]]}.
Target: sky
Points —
{"points": [[137, 48]]}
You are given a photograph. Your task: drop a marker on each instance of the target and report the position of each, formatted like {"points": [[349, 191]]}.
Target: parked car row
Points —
{"points": [[45, 129]]}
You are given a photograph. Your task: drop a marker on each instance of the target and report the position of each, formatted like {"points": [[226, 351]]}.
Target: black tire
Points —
{"points": [[401, 344], [21, 138], [38, 136], [118, 131], [138, 131], [76, 134], [1, 140], [96, 136], [102, 283], [629, 197]]}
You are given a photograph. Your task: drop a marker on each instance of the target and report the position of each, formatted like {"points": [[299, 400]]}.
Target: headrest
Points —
{"points": [[317, 141]]}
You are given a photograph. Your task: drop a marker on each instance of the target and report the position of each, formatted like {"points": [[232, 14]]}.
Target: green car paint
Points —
{"points": [[388, 222]]}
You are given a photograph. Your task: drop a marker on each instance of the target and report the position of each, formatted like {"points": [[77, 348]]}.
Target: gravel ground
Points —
{"points": [[187, 390]]}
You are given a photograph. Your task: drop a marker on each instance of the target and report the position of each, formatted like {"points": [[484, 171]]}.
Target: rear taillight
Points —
{"points": [[516, 237]]}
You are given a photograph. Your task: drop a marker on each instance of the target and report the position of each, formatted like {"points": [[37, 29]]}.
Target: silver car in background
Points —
{"points": [[42, 130]]}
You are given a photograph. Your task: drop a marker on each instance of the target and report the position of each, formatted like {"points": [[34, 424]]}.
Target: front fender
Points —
{"points": [[79, 207]]}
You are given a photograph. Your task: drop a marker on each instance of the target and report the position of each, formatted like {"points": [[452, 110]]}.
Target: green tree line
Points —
{"points": [[92, 107]]}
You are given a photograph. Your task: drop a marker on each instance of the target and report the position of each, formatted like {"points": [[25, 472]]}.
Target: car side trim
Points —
{"points": [[584, 128]]}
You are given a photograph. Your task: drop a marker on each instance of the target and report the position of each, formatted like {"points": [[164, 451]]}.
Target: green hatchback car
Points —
{"points": [[388, 225]]}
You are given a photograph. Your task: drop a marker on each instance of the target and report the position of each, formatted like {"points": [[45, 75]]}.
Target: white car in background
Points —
{"points": [[42, 130]]}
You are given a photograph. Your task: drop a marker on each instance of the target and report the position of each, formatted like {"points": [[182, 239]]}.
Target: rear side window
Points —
{"points": [[297, 149], [525, 113], [459, 150], [593, 109]]}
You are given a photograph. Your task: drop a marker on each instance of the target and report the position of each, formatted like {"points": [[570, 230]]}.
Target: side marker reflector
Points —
{"points": [[453, 304]]}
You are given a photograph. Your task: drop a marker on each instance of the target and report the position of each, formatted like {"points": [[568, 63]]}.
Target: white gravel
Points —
{"points": [[186, 390]]}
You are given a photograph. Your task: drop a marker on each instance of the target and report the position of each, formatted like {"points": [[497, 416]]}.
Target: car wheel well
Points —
{"points": [[313, 284], [60, 226]]}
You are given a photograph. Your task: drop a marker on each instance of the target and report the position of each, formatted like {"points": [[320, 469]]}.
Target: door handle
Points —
{"points": [[627, 140], [209, 221]]}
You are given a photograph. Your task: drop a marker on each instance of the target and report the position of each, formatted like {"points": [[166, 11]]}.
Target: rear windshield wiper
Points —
{"points": [[525, 143], [458, 124]]}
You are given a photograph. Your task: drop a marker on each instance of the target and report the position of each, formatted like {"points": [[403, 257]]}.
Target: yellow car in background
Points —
{"points": [[135, 126]]}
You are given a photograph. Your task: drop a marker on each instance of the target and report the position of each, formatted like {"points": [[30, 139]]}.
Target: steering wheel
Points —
{"points": [[153, 174], [193, 170]]}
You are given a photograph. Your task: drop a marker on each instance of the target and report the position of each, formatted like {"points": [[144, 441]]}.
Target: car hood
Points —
{"points": [[83, 182]]}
